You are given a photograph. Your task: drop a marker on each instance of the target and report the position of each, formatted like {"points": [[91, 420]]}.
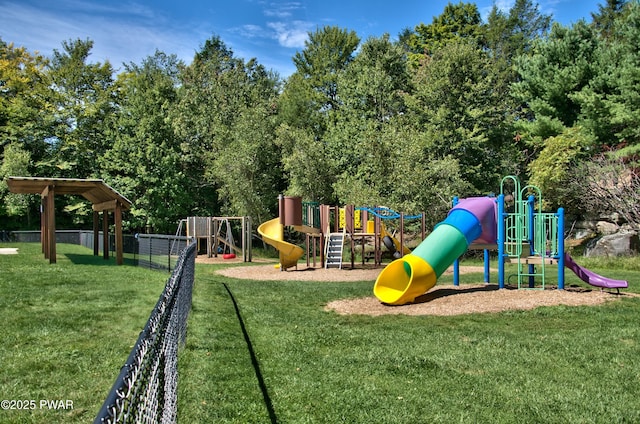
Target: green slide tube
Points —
{"points": [[414, 274]]}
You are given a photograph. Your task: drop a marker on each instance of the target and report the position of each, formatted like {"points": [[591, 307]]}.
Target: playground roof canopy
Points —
{"points": [[94, 190]]}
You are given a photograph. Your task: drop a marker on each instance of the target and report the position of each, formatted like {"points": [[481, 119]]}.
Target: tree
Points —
{"points": [[458, 23], [26, 117], [15, 162], [621, 67], [508, 35], [608, 183], [604, 20], [225, 118], [83, 95], [310, 95], [371, 90], [553, 168], [307, 107], [459, 104], [307, 165], [579, 78], [560, 67], [326, 54], [144, 163]]}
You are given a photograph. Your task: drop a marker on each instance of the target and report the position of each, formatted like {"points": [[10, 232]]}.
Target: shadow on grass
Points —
{"points": [[254, 359], [444, 292], [96, 260]]}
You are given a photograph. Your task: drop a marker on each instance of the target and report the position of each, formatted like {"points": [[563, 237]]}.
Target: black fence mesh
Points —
{"points": [[154, 251], [146, 389], [157, 251]]}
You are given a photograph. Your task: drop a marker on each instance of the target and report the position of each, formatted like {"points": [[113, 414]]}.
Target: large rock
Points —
{"points": [[619, 244], [607, 228]]}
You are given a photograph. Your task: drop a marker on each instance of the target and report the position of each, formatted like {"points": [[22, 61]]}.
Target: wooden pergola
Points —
{"points": [[102, 197]]}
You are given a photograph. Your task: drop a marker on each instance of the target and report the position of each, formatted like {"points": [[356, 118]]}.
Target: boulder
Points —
{"points": [[618, 244], [607, 228]]}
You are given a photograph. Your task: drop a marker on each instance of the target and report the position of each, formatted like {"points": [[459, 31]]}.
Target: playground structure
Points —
{"points": [[328, 229], [217, 233], [525, 236]]}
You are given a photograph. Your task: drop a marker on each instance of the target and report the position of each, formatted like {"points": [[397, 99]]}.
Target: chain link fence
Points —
{"points": [[146, 389]]}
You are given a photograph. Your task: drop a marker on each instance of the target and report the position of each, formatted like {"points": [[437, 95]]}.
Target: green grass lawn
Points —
{"points": [[260, 352], [549, 365], [67, 328]]}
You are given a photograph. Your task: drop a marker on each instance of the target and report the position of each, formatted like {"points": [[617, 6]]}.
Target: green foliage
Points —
{"points": [[623, 68], [309, 169], [144, 163], [560, 66], [83, 96], [459, 22], [448, 109], [604, 20], [26, 115], [553, 168], [15, 162], [327, 52], [225, 119], [458, 103], [512, 34]]}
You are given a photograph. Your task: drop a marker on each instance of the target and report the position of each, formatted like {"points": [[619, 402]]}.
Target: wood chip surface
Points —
{"points": [[442, 300]]}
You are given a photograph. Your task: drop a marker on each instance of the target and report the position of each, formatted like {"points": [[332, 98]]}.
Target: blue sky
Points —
{"points": [[269, 30]]}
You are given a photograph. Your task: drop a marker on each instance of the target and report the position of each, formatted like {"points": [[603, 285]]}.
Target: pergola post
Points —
{"points": [[96, 233], [43, 224], [105, 234], [50, 223], [118, 221]]}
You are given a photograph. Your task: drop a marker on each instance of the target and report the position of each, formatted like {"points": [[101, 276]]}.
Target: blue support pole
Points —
{"points": [[486, 266], [456, 263], [456, 272], [560, 248], [501, 237], [531, 235]]}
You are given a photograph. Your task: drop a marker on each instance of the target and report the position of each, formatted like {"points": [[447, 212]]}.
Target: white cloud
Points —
{"points": [[282, 10], [120, 35], [250, 31], [291, 34]]}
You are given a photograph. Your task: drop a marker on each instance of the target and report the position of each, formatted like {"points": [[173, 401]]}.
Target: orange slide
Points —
{"points": [[272, 233]]}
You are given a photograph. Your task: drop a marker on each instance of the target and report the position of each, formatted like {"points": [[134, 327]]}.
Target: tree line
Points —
{"points": [[445, 109]]}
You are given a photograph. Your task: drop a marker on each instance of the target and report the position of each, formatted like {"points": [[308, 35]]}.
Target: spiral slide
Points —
{"points": [[472, 219], [272, 233], [591, 277]]}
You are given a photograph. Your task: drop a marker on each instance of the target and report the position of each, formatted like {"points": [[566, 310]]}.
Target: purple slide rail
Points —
{"points": [[591, 277]]}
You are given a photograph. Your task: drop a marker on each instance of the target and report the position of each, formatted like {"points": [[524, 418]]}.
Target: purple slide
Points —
{"points": [[591, 277]]}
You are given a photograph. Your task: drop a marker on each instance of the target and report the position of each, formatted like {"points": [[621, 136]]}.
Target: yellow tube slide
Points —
{"points": [[272, 233]]}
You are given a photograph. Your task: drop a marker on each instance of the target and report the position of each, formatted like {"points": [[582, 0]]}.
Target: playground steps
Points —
{"points": [[333, 250]]}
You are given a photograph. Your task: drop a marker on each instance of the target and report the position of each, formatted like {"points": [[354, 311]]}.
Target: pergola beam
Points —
{"points": [[109, 205]]}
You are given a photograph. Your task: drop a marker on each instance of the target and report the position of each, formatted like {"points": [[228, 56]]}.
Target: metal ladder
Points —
{"points": [[333, 250], [175, 250]]}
